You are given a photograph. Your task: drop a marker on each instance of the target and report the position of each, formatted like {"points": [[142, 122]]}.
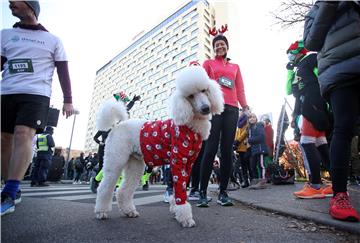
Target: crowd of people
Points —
{"points": [[323, 76]]}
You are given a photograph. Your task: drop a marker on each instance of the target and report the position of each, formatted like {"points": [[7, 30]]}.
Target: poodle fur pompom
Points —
{"points": [[110, 113]]}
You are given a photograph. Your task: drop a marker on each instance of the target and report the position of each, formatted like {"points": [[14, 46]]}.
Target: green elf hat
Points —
{"points": [[121, 96], [297, 47]]}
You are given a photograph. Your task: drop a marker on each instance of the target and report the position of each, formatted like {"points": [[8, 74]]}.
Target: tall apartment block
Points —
{"points": [[149, 66]]}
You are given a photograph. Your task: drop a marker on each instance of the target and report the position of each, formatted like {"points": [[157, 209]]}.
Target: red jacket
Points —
{"points": [[269, 138], [162, 142], [217, 68]]}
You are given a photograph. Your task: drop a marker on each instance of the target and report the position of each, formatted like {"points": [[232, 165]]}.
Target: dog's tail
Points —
{"points": [[110, 113]]}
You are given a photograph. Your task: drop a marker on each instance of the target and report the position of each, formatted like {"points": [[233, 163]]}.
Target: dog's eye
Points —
{"points": [[203, 91], [191, 96]]}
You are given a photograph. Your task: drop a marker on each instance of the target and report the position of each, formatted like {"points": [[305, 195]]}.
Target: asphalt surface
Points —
{"points": [[280, 199], [64, 213]]}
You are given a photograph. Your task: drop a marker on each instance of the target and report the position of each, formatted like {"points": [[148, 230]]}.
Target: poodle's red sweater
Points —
{"points": [[163, 142]]}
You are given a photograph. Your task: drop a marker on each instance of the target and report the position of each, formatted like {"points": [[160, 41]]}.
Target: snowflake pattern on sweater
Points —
{"points": [[163, 142]]}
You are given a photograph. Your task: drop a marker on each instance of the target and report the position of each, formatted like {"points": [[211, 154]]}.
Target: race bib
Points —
{"points": [[20, 66], [226, 82]]}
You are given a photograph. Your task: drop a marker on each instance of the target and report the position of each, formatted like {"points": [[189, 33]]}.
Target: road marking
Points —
{"points": [[82, 193], [92, 195], [29, 194], [146, 200], [54, 189]]}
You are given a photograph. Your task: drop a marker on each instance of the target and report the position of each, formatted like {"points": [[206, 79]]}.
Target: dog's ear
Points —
{"points": [[216, 97], [181, 110]]}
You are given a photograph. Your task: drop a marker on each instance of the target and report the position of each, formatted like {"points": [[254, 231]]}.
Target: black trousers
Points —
{"points": [[223, 128], [345, 105]]}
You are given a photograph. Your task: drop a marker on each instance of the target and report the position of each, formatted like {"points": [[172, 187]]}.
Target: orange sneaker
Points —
{"points": [[309, 193], [341, 208], [327, 191]]}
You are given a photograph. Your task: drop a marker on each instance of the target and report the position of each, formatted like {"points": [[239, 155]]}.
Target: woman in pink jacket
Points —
{"points": [[223, 126]]}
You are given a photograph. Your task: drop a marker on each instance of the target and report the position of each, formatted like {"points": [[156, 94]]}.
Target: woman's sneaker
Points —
{"points": [[309, 192], [194, 195], [224, 199], [7, 204], [341, 208], [203, 202]]}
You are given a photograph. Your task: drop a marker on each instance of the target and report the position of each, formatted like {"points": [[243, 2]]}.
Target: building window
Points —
{"points": [[181, 40], [163, 64], [157, 35], [180, 55], [171, 38], [195, 17], [170, 52], [164, 37], [194, 47], [195, 32], [181, 25], [188, 42], [190, 13], [172, 25], [170, 68], [178, 70], [192, 57], [207, 19], [163, 50]]}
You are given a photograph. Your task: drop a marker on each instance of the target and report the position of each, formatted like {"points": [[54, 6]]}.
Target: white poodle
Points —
{"points": [[176, 141]]}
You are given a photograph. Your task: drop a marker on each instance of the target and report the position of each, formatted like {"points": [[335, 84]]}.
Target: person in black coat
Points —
{"points": [[332, 28], [314, 116]]}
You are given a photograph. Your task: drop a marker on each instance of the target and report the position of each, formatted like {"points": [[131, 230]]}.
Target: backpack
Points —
{"points": [[278, 175]]}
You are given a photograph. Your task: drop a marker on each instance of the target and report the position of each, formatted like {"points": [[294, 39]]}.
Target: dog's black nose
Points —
{"points": [[205, 109]]}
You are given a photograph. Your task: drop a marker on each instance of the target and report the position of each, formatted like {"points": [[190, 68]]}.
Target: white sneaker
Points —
{"points": [[167, 195]]}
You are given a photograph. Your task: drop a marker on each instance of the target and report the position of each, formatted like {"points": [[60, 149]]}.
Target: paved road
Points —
{"points": [[64, 213], [82, 193]]}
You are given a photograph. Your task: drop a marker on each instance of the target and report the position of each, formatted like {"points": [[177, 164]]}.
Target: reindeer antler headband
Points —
{"points": [[214, 32]]}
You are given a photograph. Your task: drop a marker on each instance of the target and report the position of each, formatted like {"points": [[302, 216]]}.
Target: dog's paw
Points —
{"points": [[188, 223], [172, 209], [132, 214], [102, 215]]}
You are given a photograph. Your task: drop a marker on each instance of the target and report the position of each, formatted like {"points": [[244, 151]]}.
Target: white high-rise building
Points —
{"points": [[149, 66]]}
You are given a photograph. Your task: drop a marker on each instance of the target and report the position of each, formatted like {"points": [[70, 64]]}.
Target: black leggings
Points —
{"points": [[345, 104], [315, 155], [101, 150], [195, 171], [223, 128], [244, 160]]}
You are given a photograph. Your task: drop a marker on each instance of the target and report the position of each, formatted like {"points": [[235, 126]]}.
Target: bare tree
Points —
{"points": [[291, 12]]}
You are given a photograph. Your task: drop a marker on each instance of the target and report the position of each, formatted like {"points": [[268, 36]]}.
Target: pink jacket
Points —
{"points": [[219, 67]]}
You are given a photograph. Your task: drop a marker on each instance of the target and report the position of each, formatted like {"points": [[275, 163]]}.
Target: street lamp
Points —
{"points": [[76, 112]]}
